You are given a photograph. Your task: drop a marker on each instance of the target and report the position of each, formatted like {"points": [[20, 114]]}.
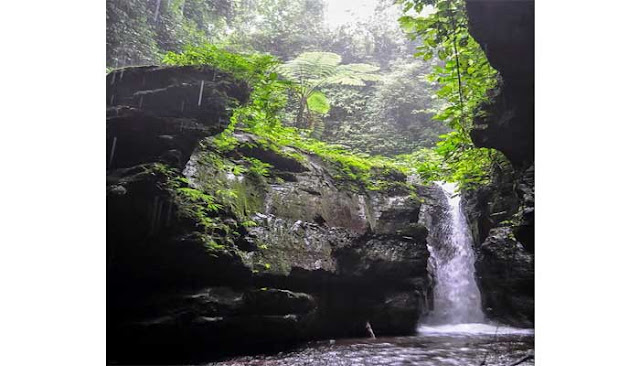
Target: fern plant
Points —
{"points": [[313, 70]]}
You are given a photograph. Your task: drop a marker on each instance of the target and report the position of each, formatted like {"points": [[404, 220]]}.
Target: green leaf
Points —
{"points": [[407, 23], [318, 103]]}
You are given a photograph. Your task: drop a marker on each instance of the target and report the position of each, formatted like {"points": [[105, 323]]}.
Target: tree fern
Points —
{"points": [[313, 70]]}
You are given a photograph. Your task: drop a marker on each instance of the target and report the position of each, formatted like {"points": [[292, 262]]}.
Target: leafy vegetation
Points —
{"points": [[464, 81], [361, 118], [199, 210], [356, 170], [348, 92], [140, 31], [391, 117], [268, 97], [263, 115], [258, 167], [311, 71]]}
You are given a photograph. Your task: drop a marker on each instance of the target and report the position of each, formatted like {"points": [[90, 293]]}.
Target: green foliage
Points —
{"points": [[464, 79], [198, 207], [195, 207], [250, 67], [280, 27], [224, 142], [214, 211], [338, 101], [391, 117], [261, 116], [249, 223], [318, 103], [364, 118], [427, 163], [377, 40], [197, 196], [311, 71], [356, 170], [269, 93], [258, 167], [388, 117], [140, 31]]}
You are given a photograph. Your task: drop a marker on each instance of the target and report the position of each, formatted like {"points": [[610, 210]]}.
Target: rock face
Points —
{"points": [[502, 214], [505, 274], [159, 113], [208, 254], [501, 220], [505, 30]]}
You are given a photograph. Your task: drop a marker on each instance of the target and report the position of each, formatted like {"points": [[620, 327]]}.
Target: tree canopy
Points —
{"points": [[408, 78]]}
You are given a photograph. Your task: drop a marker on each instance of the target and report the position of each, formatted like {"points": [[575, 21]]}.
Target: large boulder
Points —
{"points": [[159, 113], [352, 249], [500, 215], [210, 254], [505, 30], [209, 322], [505, 272]]}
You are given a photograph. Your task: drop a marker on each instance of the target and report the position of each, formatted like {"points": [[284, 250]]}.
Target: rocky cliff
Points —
{"points": [[502, 214], [505, 30], [214, 248]]}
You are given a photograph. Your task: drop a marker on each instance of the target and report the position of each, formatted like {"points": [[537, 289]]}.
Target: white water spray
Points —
{"points": [[456, 294]]}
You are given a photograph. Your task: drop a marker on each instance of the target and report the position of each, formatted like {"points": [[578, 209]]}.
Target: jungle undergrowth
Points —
{"points": [[463, 82]]}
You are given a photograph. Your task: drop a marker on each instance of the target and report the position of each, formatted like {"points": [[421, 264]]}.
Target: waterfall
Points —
{"points": [[456, 294]]}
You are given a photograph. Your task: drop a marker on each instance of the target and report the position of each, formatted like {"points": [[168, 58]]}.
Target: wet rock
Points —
{"points": [[154, 109], [505, 272], [524, 231], [175, 91], [390, 214], [384, 258], [277, 302], [250, 146], [501, 217], [505, 30], [398, 313], [492, 205], [292, 259]]}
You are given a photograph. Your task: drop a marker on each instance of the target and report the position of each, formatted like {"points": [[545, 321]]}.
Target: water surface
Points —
{"points": [[460, 344]]}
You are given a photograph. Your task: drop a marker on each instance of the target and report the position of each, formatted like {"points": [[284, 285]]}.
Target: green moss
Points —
{"points": [[202, 216], [237, 185]]}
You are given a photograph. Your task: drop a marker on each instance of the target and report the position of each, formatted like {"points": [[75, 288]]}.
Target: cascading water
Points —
{"points": [[456, 294]]}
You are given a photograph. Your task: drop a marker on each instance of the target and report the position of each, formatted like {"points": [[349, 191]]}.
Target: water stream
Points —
{"points": [[456, 294], [458, 347]]}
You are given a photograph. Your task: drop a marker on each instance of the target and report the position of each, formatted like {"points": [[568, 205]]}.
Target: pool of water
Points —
{"points": [[462, 344]]}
